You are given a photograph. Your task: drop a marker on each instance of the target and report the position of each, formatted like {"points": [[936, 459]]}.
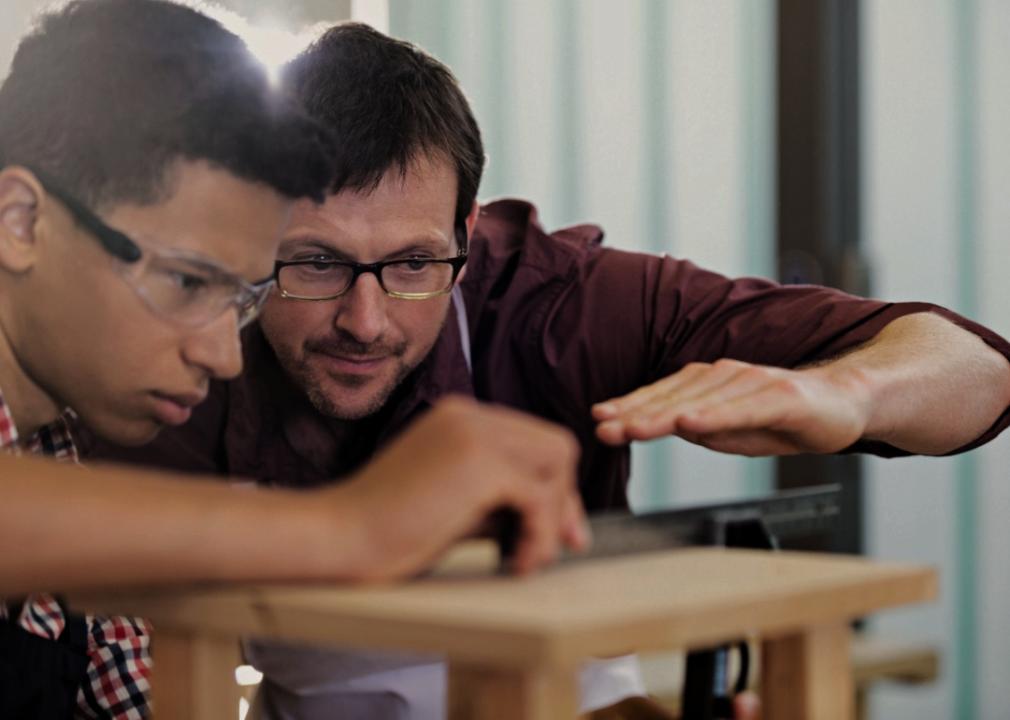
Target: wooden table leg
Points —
{"points": [[194, 676], [807, 675], [494, 693]]}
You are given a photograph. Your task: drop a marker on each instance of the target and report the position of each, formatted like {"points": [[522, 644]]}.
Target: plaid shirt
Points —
{"points": [[119, 674]]}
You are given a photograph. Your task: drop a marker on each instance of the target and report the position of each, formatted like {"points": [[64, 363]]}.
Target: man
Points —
{"points": [[140, 211], [374, 320]]}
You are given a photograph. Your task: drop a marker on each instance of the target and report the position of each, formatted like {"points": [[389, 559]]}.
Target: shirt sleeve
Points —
{"points": [[628, 319]]}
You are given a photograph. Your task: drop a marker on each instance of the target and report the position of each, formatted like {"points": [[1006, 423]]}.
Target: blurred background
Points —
{"points": [[862, 144]]}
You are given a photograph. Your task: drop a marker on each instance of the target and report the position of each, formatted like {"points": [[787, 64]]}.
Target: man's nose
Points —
{"points": [[362, 310]]}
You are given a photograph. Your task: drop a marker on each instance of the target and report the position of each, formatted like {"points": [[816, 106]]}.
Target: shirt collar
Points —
{"points": [[8, 431], [54, 439]]}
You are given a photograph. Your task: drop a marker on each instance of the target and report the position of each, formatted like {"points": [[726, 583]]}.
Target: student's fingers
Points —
{"points": [[541, 513], [542, 447], [447, 472], [528, 465], [747, 706], [575, 528]]}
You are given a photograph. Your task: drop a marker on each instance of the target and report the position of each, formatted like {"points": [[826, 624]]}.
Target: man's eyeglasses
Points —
{"points": [[418, 278], [177, 285]]}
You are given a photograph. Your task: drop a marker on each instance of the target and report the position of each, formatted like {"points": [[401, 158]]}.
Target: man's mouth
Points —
{"points": [[352, 364]]}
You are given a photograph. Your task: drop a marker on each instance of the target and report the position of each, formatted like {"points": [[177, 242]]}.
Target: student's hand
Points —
{"points": [[736, 407], [747, 706], [446, 473]]}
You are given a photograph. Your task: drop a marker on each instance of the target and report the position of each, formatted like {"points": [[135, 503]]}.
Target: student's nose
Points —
{"points": [[216, 347]]}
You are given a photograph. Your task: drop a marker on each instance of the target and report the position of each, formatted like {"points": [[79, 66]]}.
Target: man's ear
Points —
{"points": [[471, 219], [470, 223], [20, 193]]}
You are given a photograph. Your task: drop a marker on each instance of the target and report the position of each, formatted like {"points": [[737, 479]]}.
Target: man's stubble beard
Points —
{"points": [[302, 374], [313, 386]]}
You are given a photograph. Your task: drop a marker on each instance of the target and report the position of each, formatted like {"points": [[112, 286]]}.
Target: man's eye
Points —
{"points": [[415, 264], [320, 266]]}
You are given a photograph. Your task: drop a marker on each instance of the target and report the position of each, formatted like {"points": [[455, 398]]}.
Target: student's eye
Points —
{"points": [[189, 282]]}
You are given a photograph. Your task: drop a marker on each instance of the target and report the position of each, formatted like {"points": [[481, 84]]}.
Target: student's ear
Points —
{"points": [[470, 223], [19, 201]]}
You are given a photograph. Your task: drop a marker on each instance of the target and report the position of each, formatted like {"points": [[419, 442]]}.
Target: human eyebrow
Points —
{"points": [[311, 247], [429, 247]]}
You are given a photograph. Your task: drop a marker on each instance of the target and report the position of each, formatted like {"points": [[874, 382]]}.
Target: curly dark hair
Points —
{"points": [[103, 95], [387, 102]]}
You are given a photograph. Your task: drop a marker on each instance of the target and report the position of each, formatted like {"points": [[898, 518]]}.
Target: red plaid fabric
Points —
{"points": [[119, 675]]}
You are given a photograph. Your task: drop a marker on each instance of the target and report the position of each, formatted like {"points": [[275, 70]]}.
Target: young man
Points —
{"points": [[373, 322], [147, 172]]}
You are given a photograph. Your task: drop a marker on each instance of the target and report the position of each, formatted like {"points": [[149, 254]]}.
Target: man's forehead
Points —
{"points": [[348, 217]]}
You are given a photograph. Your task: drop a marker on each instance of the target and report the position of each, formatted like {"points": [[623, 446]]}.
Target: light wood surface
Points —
{"points": [[607, 607], [513, 642]]}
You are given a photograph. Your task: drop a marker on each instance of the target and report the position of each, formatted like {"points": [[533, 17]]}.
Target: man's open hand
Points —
{"points": [[735, 407]]}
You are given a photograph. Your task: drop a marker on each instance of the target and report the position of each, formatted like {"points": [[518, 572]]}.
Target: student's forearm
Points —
{"points": [[931, 386], [63, 527]]}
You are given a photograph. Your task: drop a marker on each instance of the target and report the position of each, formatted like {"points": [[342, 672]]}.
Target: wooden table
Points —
{"points": [[514, 644]]}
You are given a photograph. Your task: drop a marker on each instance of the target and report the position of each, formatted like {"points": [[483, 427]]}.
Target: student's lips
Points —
{"points": [[175, 409]]}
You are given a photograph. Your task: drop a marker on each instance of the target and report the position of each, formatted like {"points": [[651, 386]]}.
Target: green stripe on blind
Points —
{"points": [[756, 29], [965, 486], [657, 190]]}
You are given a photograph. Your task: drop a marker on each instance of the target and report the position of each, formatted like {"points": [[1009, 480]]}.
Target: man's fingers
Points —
{"points": [[792, 422], [751, 443], [657, 417], [617, 406], [776, 406], [660, 418]]}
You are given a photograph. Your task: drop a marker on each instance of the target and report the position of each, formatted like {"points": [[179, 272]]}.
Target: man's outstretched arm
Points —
{"points": [[63, 527], [922, 384]]}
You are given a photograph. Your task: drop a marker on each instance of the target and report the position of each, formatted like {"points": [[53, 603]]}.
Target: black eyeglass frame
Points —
{"points": [[248, 302], [358, 269], [117, 243]]}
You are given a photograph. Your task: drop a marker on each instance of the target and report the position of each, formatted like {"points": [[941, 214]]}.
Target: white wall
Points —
{"points": [[15, 16]]}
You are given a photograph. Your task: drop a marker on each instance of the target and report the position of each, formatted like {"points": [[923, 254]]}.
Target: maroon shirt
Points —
{"points": [[556, 323]]}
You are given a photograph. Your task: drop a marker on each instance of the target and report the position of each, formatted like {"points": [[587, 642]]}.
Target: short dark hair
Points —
{"points": [[103, 95], [386, 102]]}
